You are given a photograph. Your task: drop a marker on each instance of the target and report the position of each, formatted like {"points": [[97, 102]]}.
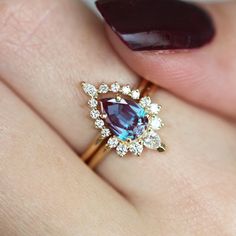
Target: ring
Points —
{"points": [[127, 120]]}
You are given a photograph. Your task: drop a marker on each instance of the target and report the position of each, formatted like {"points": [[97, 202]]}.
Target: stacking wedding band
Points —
{"points": [[126, 118]]}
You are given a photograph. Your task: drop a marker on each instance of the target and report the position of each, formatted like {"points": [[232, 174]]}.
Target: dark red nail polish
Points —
{"points": [[158, 24]]}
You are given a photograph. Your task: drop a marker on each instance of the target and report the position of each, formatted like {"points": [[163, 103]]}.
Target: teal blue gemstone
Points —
{"points": [[125, 118]]}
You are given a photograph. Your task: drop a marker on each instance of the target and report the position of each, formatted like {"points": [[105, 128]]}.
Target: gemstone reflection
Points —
{"points": [[125, 118]]}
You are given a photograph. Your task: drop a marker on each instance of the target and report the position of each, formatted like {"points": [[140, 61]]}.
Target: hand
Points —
{"points": [[47, 48]]}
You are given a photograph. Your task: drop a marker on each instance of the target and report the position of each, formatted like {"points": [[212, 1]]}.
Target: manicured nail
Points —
{"points": [[158, 24]]}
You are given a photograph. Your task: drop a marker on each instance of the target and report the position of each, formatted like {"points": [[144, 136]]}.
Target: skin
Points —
{"points": [[181, 72], [47, 47]]}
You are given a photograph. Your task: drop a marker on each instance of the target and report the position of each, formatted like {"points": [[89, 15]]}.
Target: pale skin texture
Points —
{"points": [[47, 47]]}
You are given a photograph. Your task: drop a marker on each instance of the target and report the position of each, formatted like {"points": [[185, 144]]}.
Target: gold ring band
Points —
{"points": [[97, 151]]}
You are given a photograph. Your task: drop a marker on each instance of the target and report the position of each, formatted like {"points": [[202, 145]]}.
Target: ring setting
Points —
{"points": [[127, 118]]}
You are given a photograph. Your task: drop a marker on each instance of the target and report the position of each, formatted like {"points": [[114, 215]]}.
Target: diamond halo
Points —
{"points": [[144, 107]]}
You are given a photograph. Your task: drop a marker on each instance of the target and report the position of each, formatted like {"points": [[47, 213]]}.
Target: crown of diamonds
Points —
{"points": [[126, 120]]}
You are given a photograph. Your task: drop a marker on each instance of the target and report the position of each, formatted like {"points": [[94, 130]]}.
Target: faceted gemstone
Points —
{"points": [[105, 133], [99, 124], [92, 103], [136, 148], [89, 89], [145, 102], [126, 89], [152, 140], [104, 88], [156, 122], [135, 94], [122, 150], [125, 118], [115, 87], [112, 142], [154, 108], [94, 114]]}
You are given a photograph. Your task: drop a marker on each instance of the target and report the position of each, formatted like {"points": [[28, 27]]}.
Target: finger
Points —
{"points": [[44, 188], [48, 48], [201, 75], [47, 86], [54, 93], [46, 74], [200, 155], [189, 189], [46, 70]]}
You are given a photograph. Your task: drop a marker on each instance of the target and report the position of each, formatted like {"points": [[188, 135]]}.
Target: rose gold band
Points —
{"points": [[97, 151]]}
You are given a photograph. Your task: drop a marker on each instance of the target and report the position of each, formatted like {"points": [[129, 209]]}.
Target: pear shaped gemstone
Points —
{"points": [[125, 118]]}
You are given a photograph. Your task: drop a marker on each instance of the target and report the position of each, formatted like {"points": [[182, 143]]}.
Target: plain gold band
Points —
{"points": [[97, 151]]}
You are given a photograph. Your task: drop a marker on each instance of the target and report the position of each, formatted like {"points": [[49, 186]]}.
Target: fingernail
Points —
{"points": [[158, 24]]}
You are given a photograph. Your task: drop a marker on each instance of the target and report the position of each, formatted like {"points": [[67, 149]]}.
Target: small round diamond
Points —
{"points": [[89, 89], [92, 102], [135, 94], [154, 108], [145, 102], [112, 142], [104, 88], [156, 123], [152, 140], [94, 114], [105, 133], [99, 123], [122, 149], [136, 148], [126, 90], [115, 88]]}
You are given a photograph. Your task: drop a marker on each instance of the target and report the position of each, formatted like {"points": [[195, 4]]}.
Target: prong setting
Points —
{"points": [[149, 138], [118, 98]]}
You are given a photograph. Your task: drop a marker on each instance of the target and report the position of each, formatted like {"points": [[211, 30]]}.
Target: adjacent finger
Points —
{"points": [[147, 39]]}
